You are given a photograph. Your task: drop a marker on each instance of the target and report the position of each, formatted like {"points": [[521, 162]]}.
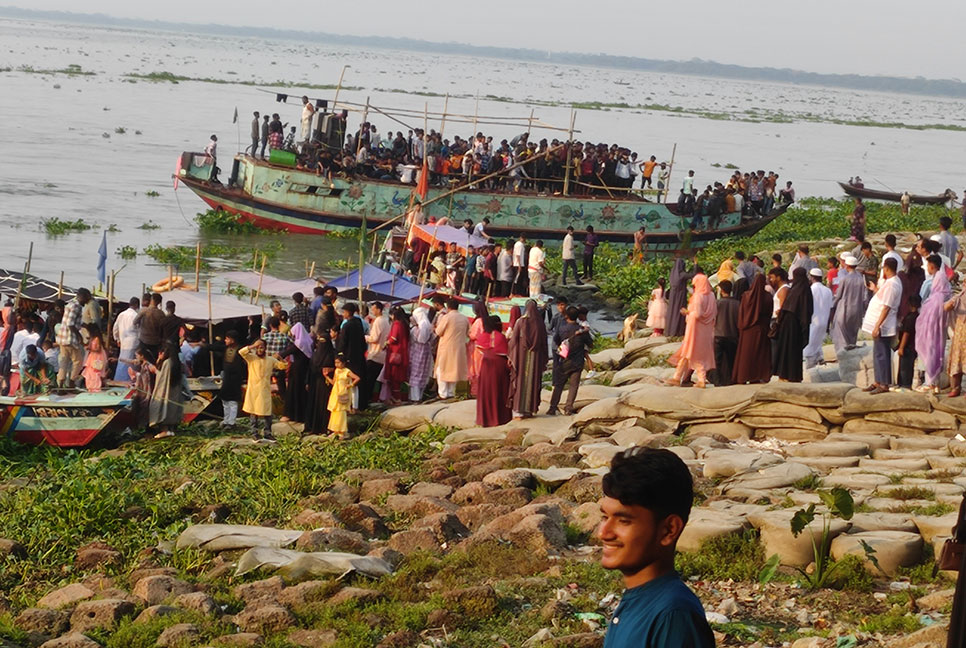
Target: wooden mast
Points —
{"points": [[570, 152], [363, 229], [338, 88]]}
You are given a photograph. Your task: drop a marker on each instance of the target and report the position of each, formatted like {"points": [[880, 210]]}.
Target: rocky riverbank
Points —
{"points": [[428, 531]]}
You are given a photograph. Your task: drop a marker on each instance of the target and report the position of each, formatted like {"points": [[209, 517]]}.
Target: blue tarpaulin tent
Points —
{"points": [[377, 280]]}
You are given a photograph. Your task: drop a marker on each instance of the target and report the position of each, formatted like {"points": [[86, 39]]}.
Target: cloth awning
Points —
{"points": [[35, 288], [193, 306], [272, 286], [448, 234], [379, 281]]}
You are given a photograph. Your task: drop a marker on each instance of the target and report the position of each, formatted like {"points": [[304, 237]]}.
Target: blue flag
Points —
{"points": [[102, 260]]}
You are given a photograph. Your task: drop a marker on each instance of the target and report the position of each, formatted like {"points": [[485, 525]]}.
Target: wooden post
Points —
{"points": [[211, 338], [529, 124], [261, 275], [365, 116], [170, 277], [442, 123], [570, 152], [338, 88], [198, 267], [110, 308], [670, 167], [476, 112], [30, 255], [60, 286], [311, 274]]}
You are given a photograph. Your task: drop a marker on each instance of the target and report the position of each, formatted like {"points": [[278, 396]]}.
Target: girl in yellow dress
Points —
{"points": [[343, 382]]}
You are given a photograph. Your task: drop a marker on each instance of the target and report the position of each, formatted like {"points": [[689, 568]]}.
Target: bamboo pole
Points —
{"points": [[170, 277], [312, 271], [198, 267], [30, 255], [476, 112], [338, 88], [211, 337], [261, 275], [365, 118], [60, 286], [570, 152], [110, 309], [667, 185], [529, 123], [442, 123]]}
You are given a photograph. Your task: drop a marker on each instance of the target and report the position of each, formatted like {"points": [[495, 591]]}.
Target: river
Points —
{"points": [[91, 147]]}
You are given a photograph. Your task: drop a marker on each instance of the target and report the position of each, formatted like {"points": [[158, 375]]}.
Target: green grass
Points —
{"points": [[910, 493], [736, 556]]}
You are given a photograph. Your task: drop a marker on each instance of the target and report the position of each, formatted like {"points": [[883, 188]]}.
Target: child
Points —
{"points": [[833, 273], [907, 343], [340, 399], [657, 308], [142, 373], [95, 364]]}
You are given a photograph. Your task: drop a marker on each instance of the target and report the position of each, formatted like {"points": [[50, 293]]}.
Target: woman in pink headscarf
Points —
{"points": [[931, 327], [697, 349]]}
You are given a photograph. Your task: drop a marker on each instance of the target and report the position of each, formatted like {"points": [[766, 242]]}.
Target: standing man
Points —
{"points": [[821, 309], [662, 179], [452, 328], [646, 504], [950, 244], [126, 336], [647, 171], [255, 133], [802, 260], [504, 269], [904, 202], [725, 334], [688, 185], [880, 323], [69, 339], [301, 313], [171, 326], [519, 264], [148, 322], [535, 269], [258, 394], [376, 354], [351, 344], [567, 256], [266, 127], [307, 111], [590, 244], [849, 306], [571, 340]]}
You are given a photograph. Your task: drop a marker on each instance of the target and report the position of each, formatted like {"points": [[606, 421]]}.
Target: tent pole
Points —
{"points": [[261, 275], [211, 338], [198, 267]]}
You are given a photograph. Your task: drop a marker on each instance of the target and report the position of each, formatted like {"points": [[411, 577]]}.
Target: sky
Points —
{"points": [[888, 37]]}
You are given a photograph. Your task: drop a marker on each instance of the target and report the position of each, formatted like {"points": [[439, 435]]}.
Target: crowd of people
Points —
{"points": [[774, 321], [519, 164], [324, 357]]}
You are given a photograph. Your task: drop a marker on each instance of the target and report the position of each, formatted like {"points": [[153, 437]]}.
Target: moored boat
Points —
{"points": [[64, 420], [892, 196]]}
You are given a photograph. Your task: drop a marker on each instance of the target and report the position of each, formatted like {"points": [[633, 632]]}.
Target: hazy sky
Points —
{"points": [[923, 38]]}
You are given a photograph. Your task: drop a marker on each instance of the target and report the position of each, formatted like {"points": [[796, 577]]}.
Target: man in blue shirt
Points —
{"points": [[646, 503]]}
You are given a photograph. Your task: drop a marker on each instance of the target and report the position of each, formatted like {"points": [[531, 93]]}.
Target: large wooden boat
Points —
{"points": [[67, 420], [286, 198], [892, 196]]}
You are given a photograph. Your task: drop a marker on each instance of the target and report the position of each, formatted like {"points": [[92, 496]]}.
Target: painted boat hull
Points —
{"points": [[300, 202], [72, 421], [891, 196]]}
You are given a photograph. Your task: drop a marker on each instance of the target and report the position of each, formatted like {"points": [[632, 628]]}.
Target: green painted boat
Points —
{"points": [[283, 198]]}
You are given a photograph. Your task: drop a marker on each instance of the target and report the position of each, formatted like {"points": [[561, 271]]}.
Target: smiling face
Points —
{"points": [[633, 538]]}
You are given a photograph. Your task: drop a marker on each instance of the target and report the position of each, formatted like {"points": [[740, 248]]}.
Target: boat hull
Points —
{"points": [[890, 196], [300, 202], [65, 422]]}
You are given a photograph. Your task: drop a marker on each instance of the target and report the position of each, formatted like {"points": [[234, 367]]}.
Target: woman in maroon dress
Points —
{"points": [[493, 387], [396, 369], [753, 358]]}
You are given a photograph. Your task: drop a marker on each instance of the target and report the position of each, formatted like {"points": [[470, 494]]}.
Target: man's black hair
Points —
{"points": [[562, 300], [935, 259], [891, 263], [726, 286], [740, 255], [915, 300], [452, 303], [350, 308], [318, 291], [779, 272], [572, 313], [890, 240], [776, 257], [945, 222], [866, 245], [274, 322], [135, 303], [656, 479], [298, 297]]}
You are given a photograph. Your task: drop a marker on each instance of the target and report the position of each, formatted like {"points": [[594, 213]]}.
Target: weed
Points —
{"points": [[893, 622], [736, 556], [910, 493], [809, 483], [851, 574], [152, 193], [217, 220], [150, 225], [120, 130], [575, 536], [54, 226], [602, 342], [127, 252], [839, 504]]}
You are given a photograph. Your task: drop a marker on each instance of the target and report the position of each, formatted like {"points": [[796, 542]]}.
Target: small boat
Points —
{"points": [[892, 196], [64, 420], [204, 391]]}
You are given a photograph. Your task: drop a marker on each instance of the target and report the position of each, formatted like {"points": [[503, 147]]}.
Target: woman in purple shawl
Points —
{"points": [[931, 327]]}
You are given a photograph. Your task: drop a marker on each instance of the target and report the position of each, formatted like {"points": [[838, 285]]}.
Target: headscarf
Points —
{"points": [[798, 301], [677, 274], [702, 305], [756, 305], [726, 271], [302, 339], [424, 330], [514, 316]]}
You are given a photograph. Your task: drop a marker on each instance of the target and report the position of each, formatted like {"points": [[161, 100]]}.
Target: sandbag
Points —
{"points": [[807, 394], [860, 402], [782, 410], [862, 426], [605, 410], [730, 430], [768, 422], [296, 565], [916, 419], [409, 417], [586, 394], [459, 415], [790, 434], [223, 537]]}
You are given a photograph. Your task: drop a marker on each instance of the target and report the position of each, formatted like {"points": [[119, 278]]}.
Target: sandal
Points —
{"points": [[953, 393]]}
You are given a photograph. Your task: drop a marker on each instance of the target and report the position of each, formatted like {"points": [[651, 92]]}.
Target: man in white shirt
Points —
{"points": [[535, 268], [880, 323], [307, 111], [504, 270], [890, 244], [376, 353], [21, 339], [802, 260], [688, 183], [821, 310], [519, 265], [567, 255], [126, 335], [480, 229]]}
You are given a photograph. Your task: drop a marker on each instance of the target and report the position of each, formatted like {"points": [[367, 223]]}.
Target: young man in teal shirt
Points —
{"points": [[646, 503]]}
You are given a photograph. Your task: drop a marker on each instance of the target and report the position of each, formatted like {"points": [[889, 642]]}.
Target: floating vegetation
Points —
{"points": [[151, 194], [217, 220], [137, 132], [55, 226], [185, 255], [71, 70], [127, 252], [169, 77], [150, 225], [113, 228], [727, 165], [120, 130]]}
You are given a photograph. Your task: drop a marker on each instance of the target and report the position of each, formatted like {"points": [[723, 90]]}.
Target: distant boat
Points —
{"points": [[891, 196]]}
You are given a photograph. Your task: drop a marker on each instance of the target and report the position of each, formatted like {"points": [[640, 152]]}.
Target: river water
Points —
{"points": [[62, 157]]}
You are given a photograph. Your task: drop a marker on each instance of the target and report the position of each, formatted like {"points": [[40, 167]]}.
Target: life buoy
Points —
{"points": [[168, 284]]}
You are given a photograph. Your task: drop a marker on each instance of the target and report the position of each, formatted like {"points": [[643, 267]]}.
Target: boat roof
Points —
{"points": [[110, 397], [34, 288]]}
